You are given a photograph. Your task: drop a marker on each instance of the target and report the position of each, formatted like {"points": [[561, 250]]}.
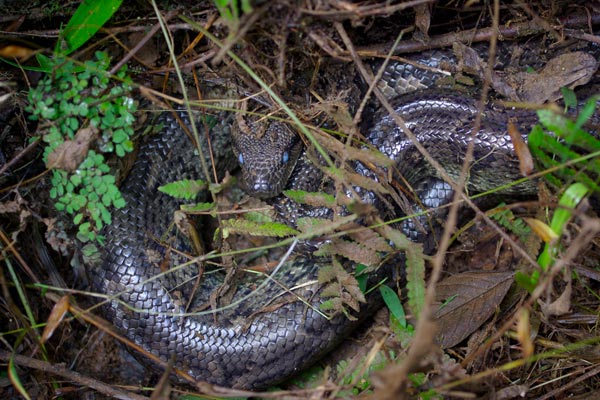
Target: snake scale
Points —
{"points": [[265, 334]]}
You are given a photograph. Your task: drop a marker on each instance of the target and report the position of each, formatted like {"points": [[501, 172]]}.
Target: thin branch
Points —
{"points": [[61, 370]]}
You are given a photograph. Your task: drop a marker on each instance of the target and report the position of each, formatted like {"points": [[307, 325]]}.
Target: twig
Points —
{"points": [[556, 392], [511, 31], [344, 12], [141, 43], [21, 154], [61, 370]]}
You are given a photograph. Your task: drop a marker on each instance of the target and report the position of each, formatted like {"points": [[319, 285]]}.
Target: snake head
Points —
{"points": [[268, 159]]}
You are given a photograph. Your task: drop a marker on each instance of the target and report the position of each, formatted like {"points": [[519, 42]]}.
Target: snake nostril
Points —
{"points": [[261, 186]]}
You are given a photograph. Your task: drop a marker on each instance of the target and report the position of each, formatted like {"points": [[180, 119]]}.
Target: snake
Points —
{"points": [[270, 326]]}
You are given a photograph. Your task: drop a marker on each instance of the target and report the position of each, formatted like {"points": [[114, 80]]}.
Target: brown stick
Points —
{"points": [[511, 31], [61, 370]]}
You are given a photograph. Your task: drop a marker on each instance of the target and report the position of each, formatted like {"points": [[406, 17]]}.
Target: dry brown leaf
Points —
{"points": [[521, 150], [541, 229], [510, 392], [362, 181], [560, 306], [341, 289], [21, 53], [369, 238], [11, 206], [338, 111], [474, 298], [569, 69], [58, 313], [69, 154], [524, 333], [148, 53], [351, 250], [423, 19], [367, 156]]}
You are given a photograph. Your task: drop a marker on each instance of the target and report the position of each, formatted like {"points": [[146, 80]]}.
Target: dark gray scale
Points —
{"points": [[442, 122], [401, 78], [240, 346]]}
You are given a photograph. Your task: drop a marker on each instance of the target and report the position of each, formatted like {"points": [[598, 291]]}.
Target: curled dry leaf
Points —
{"points": [[423, 18], [69, 154], [541, 229], [524, 333], [21, 53], [59, 311], [526, 166]]}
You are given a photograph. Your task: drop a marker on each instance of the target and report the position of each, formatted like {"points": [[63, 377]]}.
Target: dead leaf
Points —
{"points": [[340, 288], [369, 238], [560, 306], [351, 250], [569, 69], [423, 18], [474, 298], [69, 154], [471, 63], [21, 53], [510, 392], [541, 229], [364, 155], [524, 333], [526, 166], [58, 313], [338, 111], [148, 53], [10, 206]]}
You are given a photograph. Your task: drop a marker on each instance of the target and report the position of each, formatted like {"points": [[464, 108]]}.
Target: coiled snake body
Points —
{"points": [[245, 345]]}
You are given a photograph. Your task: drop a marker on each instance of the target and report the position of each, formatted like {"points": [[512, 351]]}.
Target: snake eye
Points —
{"points": [[241, 159], [285, 157]]}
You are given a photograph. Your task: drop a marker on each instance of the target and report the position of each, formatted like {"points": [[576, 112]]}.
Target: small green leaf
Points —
{"points": [[106, 199], [76, 179], [392, 301], [127, 146], [569, 97], [119, 203], [315, 199], [119, 136], [198, 207], [186, 189], [89, 250], [244, 227], [587, 111], [525, 281], [106, 217], [77, 219], [85, 227]]}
